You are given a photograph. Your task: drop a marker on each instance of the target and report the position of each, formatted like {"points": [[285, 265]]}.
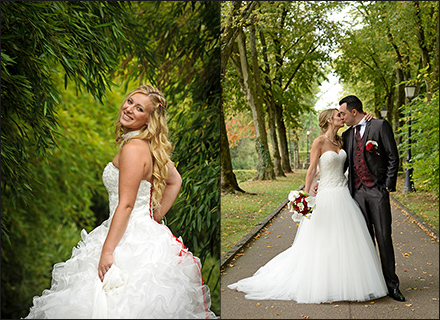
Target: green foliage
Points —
{"points": [[297, 51], [196, 216], [57, 138], [244, 156], [195, 132], [211, 276], [423, 203], [49, 155], [424, 117], [85, 39], [245, 175], [382, 43], [294, 41], [66, 185]]}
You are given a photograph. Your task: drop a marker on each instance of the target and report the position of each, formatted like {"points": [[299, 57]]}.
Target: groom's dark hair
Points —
{"points": [[353, 102]]}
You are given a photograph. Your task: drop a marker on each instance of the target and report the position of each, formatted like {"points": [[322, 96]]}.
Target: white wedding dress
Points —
{"points": [[332, 258], [154, 276]]}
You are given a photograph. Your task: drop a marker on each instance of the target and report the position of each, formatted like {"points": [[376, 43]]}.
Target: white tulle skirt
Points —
{"points": [[332, 258], [153, 277]]}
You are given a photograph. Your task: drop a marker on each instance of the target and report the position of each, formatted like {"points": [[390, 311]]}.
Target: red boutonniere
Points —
{"points": [[372, 146]]}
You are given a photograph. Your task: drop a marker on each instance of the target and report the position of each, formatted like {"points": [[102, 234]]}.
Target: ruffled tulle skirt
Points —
{"points": [[332, 258], [153, 277]]}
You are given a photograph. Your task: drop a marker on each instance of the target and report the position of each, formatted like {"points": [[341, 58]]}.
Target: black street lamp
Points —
{"points": [[410, 91], [308, 157]]}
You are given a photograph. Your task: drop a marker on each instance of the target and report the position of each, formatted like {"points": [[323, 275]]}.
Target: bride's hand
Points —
{"points": [[314, 189], [368, 116], [105, 262]]}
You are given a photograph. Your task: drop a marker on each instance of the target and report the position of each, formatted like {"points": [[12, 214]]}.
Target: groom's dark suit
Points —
{"points": [[374, 201]]}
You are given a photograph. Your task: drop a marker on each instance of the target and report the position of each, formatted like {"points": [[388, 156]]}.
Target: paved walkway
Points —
{"points": [[417, 265]]}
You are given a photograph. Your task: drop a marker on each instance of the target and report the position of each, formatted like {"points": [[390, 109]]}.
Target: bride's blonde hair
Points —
{"points": [[156, 134], [323, 118]]}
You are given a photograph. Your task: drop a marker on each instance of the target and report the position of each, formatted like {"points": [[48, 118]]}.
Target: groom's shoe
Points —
{"points": [[396, 294]]}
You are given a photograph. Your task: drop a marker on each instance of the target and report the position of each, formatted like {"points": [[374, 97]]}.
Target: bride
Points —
{"points": [[333, 257], [131, 266]]}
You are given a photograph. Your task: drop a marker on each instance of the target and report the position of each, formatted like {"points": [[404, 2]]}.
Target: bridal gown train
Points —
{"points": [[154, 276], [332, 258]]}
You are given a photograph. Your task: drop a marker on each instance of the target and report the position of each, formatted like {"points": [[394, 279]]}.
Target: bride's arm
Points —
{"points": [[315, 153], [170, 192], [131, 165]]}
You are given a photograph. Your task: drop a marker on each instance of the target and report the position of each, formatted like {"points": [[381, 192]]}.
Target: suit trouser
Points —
{"points": [[375, 205]]}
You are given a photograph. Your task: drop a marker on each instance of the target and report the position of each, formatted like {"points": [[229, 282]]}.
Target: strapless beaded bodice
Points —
{"points": [[331, 165], [110, 177]]}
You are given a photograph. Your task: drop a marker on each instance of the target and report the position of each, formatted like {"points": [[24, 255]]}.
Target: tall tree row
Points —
{"points": [[388, 45], [277, 63], [376, 49]]}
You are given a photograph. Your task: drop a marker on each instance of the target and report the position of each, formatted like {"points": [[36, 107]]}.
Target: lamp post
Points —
{"points": [[410, 91], [290, 147], [308, 157], [384, 111]]}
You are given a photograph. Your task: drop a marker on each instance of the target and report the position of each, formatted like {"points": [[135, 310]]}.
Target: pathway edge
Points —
{"points": [[228, 256]]}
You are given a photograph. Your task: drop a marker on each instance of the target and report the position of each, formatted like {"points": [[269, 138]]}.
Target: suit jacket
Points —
{"points": [[383, 167]]}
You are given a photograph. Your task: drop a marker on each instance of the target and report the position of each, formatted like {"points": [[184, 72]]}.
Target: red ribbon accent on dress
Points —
{"points": [[185, 250]]}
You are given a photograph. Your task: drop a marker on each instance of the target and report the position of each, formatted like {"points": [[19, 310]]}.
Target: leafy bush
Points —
{"points": [[245, 175], [424, 116]]}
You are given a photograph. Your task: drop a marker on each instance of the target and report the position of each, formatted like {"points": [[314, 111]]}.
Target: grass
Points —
{"points": [[241, 212], [422, 203]]}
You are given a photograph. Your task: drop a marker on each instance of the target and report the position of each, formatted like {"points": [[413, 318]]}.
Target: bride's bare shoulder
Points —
{"points": [[319, 140]]}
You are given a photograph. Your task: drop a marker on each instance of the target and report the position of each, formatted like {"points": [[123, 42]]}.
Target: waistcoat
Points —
{"points": [[361, 173]]}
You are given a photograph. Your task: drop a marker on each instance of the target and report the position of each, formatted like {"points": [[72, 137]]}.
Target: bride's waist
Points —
{"points": [[332, 184], [139, 209]]}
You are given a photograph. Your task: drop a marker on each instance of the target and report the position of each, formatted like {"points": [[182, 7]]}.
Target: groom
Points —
{"points": [[372, 161]]}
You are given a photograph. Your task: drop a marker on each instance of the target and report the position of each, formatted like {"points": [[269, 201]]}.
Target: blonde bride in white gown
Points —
{"points": [[132, 266], [333, 257]]}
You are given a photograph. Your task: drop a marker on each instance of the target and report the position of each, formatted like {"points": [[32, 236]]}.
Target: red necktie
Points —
{"points": [[358, 130]]}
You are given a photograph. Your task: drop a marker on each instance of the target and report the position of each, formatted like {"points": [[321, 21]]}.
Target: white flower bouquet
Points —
{"points": [[301, 204]]}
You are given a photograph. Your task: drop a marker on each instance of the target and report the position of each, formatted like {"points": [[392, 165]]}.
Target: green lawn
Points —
{"points": [[241, 212], [424, 204]]}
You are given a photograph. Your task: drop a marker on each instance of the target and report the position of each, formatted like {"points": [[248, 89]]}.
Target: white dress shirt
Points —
{"points": [[362, 125]]}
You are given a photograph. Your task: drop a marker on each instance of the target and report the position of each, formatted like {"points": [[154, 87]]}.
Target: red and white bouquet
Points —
{"points": [[301, 204]]}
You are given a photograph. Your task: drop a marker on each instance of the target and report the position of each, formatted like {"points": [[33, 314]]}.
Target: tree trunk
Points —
{"points": [[229, 182], [436, 61], [265, 170], [424, 49], [275, 149], [285, 162], [259, 99], [271, 110], [296, 162]]}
